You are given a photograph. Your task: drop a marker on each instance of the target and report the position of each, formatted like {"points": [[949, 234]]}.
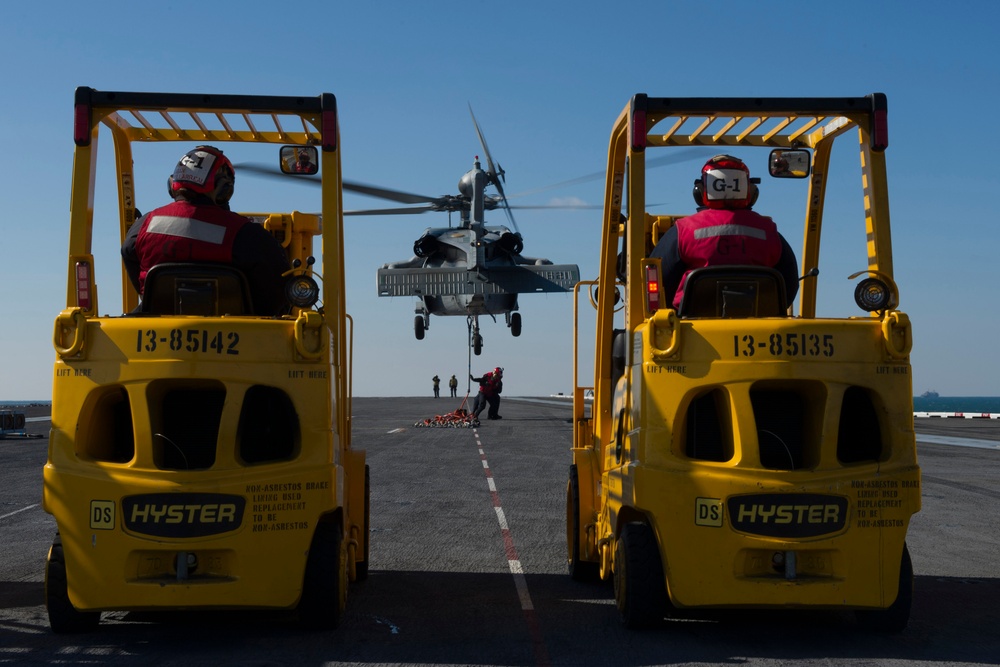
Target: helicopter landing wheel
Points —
{"points": [[477, 344], [418, 327], [515, 324]]}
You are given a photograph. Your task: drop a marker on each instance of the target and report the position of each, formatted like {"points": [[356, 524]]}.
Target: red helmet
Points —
{"points": [[498, 371], [207, 171], [725, 183]]}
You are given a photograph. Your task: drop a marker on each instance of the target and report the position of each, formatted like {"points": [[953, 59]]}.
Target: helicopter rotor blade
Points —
{"points": [[443, 203], [391, 195], [495, 174], [393, 211], [451, 203], [677, 157], [274, 172], [491, 170], [567, 207], [510, 214]]}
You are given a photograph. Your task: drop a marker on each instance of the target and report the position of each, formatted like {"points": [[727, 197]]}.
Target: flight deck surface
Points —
{"points": [[468, 566]]}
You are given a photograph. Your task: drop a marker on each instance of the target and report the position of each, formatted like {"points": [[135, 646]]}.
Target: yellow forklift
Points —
{"points": [[732, 451], [200, 455]]}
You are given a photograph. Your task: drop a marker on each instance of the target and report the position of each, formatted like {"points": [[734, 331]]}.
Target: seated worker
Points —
{"points": [[199, 227], [303, 164], [723, 231]]}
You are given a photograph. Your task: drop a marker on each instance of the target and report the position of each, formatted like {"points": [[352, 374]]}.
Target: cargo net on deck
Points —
{"points": [[460, 418]]}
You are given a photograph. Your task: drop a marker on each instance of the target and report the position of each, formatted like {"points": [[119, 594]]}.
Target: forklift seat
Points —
{"points": [[733, 291], [204, 289]]}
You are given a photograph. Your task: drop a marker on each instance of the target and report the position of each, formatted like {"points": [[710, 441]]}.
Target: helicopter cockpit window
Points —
{"points": [[789, 163], [299, 160]]}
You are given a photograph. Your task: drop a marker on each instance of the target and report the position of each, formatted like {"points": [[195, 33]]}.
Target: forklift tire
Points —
{"points": [[324, 586], [579, 570], [418, 327], [640, 590], [896, 617], [64, 618]]}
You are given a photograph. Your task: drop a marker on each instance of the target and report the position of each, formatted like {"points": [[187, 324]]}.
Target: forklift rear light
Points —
{"points": [[302, 291], [652, 289], [329, 128], [83, 283], [81, 124], [880, 131], [639, 130], [872, 295]]}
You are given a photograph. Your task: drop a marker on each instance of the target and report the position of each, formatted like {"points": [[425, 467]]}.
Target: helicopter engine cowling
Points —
{"points": [[466, 184], [511, 243], [425, 246]]}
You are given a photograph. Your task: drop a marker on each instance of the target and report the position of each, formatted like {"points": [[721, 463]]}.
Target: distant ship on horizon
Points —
{"points": [[930, 394]]}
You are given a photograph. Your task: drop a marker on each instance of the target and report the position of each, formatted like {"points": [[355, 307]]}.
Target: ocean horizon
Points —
{"points": [[966, 404], [923, 403]]}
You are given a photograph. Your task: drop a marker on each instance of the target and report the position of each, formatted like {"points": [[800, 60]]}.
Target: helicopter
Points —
{"points": [[469, 270], [473, 269]]}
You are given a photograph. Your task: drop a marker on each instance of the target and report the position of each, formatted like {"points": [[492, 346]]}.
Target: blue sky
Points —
{"points": [[546, 81]]}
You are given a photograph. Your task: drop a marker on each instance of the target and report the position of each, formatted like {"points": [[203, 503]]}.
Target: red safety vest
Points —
{"points": [[487, 384], [723, 236], [183, 232]]}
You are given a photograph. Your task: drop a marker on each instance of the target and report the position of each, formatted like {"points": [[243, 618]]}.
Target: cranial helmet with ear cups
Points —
{"points": [[725, 183], [206, 171]]}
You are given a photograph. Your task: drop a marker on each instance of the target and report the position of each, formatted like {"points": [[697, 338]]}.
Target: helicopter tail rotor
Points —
{"points": [[494, 174]]}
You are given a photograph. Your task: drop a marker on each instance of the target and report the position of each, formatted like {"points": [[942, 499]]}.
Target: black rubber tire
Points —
{"points": [[515, 324], [64, 618], [640, 590], [896, 616], [324, 586], [477, 344], [361, 567], [418, 327], [579, 570]]}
